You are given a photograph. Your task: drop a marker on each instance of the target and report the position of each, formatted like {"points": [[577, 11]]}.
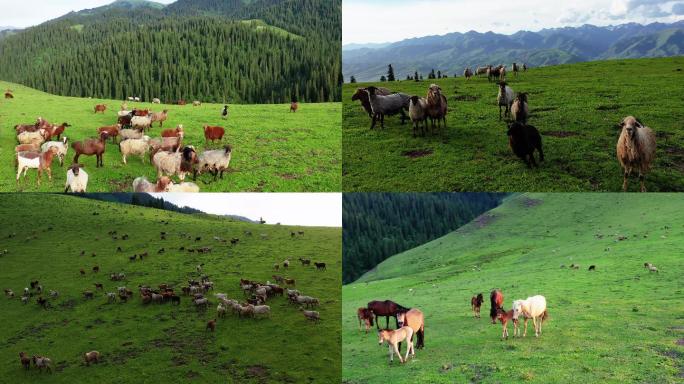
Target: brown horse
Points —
{"points": [[415, 320], [505, 317], [365, 315], [385, 308], [476, 303], [496, 298]]}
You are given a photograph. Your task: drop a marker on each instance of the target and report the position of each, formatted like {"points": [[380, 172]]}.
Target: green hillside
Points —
{"points": [[577, 109], [618, 324], [187, 50], [273, 149], [160, 343]]}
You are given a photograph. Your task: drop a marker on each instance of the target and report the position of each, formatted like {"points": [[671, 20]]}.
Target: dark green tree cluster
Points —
{"points": [[268, 51], [379, 225]]}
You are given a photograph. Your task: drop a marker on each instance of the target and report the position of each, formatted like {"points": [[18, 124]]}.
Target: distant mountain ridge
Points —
{"points": [[452, 52]]}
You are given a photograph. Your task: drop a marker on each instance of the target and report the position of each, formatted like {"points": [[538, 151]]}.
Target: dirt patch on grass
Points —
{"points": [[484, 220], [560, 134], [68, 304], [257, 371], [192, 374], [288, 176], [479, 372], [611, 107], [120, 185], [417, 153], [680, 342], [466, 98]]}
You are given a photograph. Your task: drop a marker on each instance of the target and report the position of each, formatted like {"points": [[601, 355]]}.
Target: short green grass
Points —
{"points": [[619, 324], [273, 150], [160, 343], [576, 107]]}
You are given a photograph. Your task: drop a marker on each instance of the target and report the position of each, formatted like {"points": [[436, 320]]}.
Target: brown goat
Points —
{"points": [[100, 108], [53, 130], [90, 147], [111, 130], [44, 162], [211, 324]]}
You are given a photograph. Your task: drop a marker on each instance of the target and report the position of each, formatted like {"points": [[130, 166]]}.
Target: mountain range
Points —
{"points": [[452, 52], [234, 51]]}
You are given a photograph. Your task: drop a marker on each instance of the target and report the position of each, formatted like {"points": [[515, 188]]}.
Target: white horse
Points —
{"points": [[393, 338], [531, 308]]}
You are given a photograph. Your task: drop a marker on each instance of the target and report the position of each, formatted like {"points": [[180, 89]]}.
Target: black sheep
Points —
{"points": [[523, 140]]}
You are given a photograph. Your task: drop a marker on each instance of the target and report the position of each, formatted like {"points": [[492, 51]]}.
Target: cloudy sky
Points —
{"points": [[309, 209], [25, 13], [380, 21]]}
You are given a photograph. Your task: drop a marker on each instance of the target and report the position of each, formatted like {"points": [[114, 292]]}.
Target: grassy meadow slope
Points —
{"points": [[618, 324], [576, 107], [273, 150], [160, 343]]}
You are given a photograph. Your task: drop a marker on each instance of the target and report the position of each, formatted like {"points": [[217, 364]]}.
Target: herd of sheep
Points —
{"points": [[252, 305], [40, 143], [636, 145]]}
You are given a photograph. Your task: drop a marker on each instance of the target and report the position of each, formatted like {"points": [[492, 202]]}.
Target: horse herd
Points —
{"points": [[410, 321]]}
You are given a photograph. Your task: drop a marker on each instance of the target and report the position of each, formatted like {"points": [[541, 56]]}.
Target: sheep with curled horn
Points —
{"points": [[636, 149]]}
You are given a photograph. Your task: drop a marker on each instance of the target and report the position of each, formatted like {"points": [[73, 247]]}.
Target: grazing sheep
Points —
{"points": [[131, 134], [494, 72], [307, 300], [418, 113], [90, 147], [54, 294], [91, 357], [156, 101], [263, 310], [34, 160], [175, 163], [436, 105], [196, 103], [141, 122], [140, 184], [519, 108], [111, 297], [636, 149], [138, 147], [215, 161], [77, 179], [42, 362], [389, 105], [310, 315], [362, 96], [185, 187], [523, 140], [505, 98], [36, 138], [170, 144], [159, 117], [62, 148], [653, 268]]}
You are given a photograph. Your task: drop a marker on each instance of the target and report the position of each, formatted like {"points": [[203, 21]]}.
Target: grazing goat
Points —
{"points": [[34, 160], [25, 360], [523, 140], [137, 147], [42, 362], [636, 149], [211, 325], [159, 117], [112, 131], [77, 179], [62, 148], [90, 147], [100, 108], [311, 315], [140, 184]]}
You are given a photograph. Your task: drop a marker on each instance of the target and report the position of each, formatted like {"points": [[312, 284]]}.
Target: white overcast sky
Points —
{"points": [[309, 209], [25, 13], [380, 21]]}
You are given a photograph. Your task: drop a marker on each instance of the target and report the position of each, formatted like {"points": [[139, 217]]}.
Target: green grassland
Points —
{"points": [[576, 107], [273, 150], [160, 343], [618, 324]]}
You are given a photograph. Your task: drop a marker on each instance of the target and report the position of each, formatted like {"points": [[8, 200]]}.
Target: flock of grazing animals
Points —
{"points": [[37, 149], [636, 144], [253, 304]]}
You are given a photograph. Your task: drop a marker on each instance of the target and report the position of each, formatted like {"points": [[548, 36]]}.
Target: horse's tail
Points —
{"points": [[421, 336], [492, 300], [545, 315]]}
